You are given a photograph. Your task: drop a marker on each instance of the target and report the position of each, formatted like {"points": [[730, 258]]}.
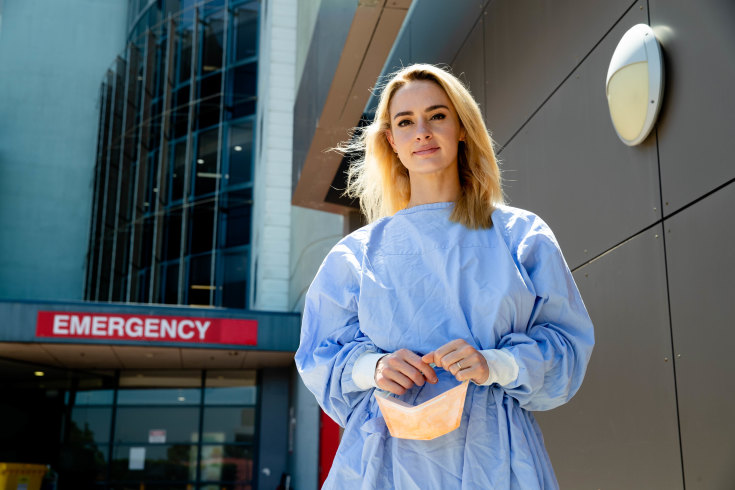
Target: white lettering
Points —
{"points": [[190, 333], [168, 328], [202, 327], [115, 324], [61, 325], [98, 326], [151, 327], [134, 327], [79, 327]]}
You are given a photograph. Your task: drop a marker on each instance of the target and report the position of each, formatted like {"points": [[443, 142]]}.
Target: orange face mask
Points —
{"points": [[429, 420]]}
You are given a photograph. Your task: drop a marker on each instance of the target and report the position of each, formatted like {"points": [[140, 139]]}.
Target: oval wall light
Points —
{"points": [[634, 84]]}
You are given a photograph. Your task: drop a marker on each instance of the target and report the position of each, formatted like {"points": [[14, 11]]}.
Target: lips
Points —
{"points": [[426, 151]]}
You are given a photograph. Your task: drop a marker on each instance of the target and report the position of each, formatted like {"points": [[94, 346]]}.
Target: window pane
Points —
{"points": [[240, 154], [174, 462], [201, 228], [236, 212], [241, 85], [246, 31], [235, 279], [172, 234], [134, 424], [90, 424], [180, 113], [229, 463], [178, 170], [171, 286], [232, 424], [200, 282], [210, 98], [93, 397], [230, 388], [184, 37], [206, 163], [212, 48]]}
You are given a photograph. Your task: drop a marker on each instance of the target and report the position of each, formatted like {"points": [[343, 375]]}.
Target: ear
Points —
{"points": [[462, 134], [389, 137]]}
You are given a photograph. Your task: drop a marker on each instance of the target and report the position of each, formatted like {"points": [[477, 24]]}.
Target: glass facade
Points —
{"points": [[174, 170], [146, 429]]}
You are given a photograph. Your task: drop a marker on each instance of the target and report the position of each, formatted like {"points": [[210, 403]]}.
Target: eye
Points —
{"points": [[403, 122], [439, 115]]}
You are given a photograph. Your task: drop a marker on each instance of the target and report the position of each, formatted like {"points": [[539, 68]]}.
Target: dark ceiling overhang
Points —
{"points": [[323, 118]]}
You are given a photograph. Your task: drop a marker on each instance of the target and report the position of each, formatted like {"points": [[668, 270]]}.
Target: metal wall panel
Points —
{"points": [[620, 431], [701, 266], [568, 164], [696, 120], [531, 47], [330, 32], [469, 64]]}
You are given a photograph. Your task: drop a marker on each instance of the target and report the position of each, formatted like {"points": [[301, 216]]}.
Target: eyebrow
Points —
{"points": [[428, 109]]}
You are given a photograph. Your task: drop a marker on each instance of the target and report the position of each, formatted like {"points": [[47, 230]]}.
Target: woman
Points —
{"points": [[445, 274]]}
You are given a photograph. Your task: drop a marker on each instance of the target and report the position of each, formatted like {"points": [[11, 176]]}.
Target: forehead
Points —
{"points": [[417, 95]]}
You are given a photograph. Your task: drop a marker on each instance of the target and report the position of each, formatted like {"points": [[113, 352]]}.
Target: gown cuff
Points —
{"points": [[363, 372], [503, 367]]}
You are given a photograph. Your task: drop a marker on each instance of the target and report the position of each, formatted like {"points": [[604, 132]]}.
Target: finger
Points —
{"points": [[428, 358], [425, 371], [399, 378], [447, 349], [388, 385]]}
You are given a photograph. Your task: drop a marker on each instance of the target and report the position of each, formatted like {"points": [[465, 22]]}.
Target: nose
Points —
{"points": [[422, 130]]}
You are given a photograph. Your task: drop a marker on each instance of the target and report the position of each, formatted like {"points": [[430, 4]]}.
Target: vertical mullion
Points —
{"points": [[106, 176], [141, 174], [126, 65], [162, 162], [92, 251], [189, 154], [220, 151], [201, 429]]}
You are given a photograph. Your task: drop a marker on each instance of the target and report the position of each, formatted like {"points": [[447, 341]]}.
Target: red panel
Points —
{"points": [[151, 328], [328, 443]]}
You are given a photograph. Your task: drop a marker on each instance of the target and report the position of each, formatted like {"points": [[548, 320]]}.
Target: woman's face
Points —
{"points": [[424, 128]]}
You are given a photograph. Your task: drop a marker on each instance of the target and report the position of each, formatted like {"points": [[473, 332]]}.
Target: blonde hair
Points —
{"points": [[382, 183]]}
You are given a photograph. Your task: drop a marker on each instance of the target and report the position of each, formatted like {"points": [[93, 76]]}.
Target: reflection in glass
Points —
{"points": [[212, 43], [180, 112], [133, 424], [93, 397], [200, 280], [236, 218], [210, 99], [164, 462], [241, 87], [206, 163], [230, 387], [246, 31], [178, 171], [234, 284], [240, 147], [229, 463], [236, 424], [90, 424]]}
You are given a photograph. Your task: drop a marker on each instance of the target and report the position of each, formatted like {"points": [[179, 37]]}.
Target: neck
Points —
{"points": [[431, 188]]}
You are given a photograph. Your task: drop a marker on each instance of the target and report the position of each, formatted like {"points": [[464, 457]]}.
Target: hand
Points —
{"points": [[461, 359], [402, 369]]}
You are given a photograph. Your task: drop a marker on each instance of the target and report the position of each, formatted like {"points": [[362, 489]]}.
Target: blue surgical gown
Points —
{"points": [[417, 280]]}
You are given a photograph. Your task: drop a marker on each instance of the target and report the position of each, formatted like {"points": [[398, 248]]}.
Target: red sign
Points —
{"points": [[151, 328]]}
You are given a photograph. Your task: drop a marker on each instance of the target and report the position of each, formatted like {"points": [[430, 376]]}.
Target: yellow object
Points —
{"points": [[429, 420], [627, 96], [21, 476]]}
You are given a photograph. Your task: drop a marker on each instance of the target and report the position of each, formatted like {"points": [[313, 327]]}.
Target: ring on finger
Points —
{"points": [[459, 366]]}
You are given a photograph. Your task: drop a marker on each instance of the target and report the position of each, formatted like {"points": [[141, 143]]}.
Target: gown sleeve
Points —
{"points": [[553, 352], [331, 339]]}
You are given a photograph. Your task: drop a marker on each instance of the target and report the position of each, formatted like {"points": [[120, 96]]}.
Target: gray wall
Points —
{"points": [[53, 56], [648, 230]]}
